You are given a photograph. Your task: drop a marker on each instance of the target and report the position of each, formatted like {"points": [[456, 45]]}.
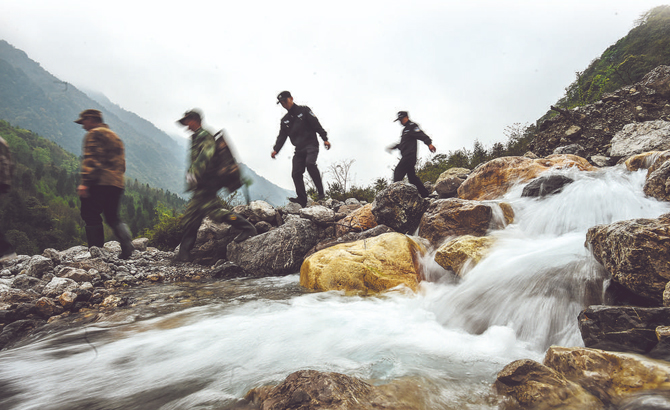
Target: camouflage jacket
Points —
{"points": [[5, 166], [104, 158], [203, 148]]}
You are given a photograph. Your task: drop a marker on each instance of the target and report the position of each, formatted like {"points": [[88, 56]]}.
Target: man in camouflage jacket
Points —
{"points": [[102, 182], [6, 248], [205, 201]]}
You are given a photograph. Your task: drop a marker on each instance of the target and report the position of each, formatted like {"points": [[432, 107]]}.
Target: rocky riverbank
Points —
{"points": [[364, 249]]}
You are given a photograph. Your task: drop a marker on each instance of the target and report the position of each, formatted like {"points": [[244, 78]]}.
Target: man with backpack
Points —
{"points": [[204, 179], [301, 126]]}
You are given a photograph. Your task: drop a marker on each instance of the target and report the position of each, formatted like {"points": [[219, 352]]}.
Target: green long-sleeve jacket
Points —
{"points": [[203, 147]]}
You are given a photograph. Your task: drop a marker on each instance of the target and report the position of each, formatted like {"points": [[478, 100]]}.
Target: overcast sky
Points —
{"points": [[463, 69]]}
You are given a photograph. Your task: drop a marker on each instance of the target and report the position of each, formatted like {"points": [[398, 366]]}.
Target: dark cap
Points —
{"points": [[190, 114], [401, 115], [88, 113], [283, 95]]}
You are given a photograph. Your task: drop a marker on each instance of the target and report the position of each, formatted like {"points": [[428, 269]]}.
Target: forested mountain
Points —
{"points": [[33, 99], [644, 48], [42, 209]]}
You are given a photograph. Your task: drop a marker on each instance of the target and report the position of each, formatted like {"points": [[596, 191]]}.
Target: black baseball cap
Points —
{"points": [[282, 96], [401, 115]]}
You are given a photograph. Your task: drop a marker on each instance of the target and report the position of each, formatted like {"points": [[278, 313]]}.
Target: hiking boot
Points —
{"points": [[187, 243], [300, 201], [238, 222], [125, 238]]}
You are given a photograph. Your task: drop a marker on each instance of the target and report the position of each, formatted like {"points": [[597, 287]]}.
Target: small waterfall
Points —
{"points": [[453, 336]]}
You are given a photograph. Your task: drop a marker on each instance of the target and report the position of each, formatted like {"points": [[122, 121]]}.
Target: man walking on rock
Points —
{"points": [[102, 182], [411, 133], [205, 201], [301, 126]]}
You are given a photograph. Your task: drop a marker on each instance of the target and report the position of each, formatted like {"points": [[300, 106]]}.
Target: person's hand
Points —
{"points": [[326, 144], [274, 154], [82, 191], [432, 148]]}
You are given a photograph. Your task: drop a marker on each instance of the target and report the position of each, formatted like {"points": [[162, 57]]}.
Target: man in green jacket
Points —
{"points": [[205, 201], [102, 182]]}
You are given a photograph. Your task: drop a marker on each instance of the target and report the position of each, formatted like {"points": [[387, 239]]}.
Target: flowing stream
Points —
{"points": [[206, 347]]}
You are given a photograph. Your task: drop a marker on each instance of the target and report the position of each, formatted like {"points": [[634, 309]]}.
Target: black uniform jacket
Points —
{"points": [[300, 125], [411, 133]]}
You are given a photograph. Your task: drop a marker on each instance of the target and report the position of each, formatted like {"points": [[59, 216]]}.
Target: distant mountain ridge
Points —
{"points": [[34, 99]]}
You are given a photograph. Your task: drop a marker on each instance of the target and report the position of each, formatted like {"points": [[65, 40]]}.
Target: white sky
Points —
{"points": [[463, 69]]}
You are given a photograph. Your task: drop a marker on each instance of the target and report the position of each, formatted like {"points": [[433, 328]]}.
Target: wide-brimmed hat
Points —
{"points": [[88, 113]]}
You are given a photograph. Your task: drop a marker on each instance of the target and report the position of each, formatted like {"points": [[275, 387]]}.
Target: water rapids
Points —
{"points": [[453, 336]]}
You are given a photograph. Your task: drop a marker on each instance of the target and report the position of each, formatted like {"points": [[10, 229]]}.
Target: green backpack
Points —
{"points": [[225, 173]]}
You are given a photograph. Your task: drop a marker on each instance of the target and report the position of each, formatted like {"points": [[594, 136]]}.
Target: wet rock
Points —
{"points": [[463, 253], [642, 161], [454, 217], [400, 207], [641, 137], [15, 331], [262, 227], [600, 160], [212, 241], [227, 270], [278, 252], [657, 184], [611, 377], [38, 266], [448, 182], [546, 185], [493, 179], [368, 266], [57, 286], [635, 253], [622, 328], [359, 220], [313, 390], [531, 385]]}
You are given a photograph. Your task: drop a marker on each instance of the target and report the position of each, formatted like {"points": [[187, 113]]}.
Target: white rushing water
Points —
{"points": [[454, 335]]}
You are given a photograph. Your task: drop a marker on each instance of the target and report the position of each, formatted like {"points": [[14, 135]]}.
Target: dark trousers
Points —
{"points": [[305, 158], [5, 247], [102, 200], [406, 167]]}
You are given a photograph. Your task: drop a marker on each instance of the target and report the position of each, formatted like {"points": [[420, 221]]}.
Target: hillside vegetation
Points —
{"points": [[42, 209]]}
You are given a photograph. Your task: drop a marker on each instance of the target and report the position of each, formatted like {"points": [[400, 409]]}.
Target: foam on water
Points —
{"points": [[521, 298]]}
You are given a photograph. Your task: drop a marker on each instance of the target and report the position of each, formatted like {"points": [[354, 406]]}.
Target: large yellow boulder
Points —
{"points": [[368, 266], [463, 253], [494, 178]]}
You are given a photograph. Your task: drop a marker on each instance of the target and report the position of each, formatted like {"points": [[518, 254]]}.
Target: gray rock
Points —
{"points": [[57, 286], [400, 207], [574, 149], [546, 185], [77, 275], [622, 328], [319, 214], [140, 244], [636, 138], [38, 266], [278, 252], [262, 210]]}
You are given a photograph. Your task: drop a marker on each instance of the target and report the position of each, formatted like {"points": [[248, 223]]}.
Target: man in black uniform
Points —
{"points": [[301, 125], [411, 133]]}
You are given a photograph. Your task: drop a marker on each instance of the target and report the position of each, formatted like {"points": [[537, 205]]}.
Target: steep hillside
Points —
{"points": [[33, 99]]}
